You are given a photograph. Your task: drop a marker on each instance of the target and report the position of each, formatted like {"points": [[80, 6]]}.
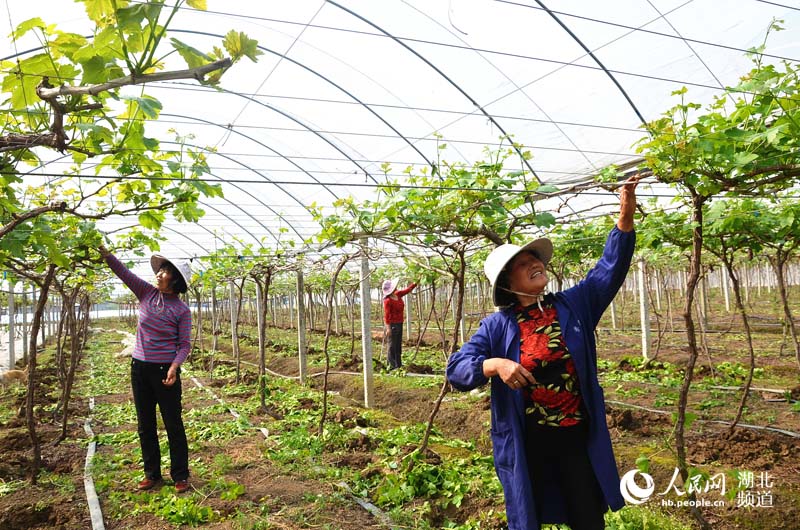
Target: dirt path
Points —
{"points": [[232, 483]]}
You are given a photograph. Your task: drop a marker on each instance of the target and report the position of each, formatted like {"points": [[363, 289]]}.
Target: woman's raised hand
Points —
{"points": [[627, 203]]}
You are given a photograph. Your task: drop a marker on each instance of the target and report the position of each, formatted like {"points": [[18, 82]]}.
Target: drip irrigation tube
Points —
{"points": [[88, 483], [232, 411], [722, 422], [91, 494], [332, 372], [371, 508]]}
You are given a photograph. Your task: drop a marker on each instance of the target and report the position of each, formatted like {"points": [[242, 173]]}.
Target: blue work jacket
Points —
{"points": [[579, 310]]}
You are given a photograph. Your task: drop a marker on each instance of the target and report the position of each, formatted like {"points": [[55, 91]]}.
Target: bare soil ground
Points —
{"points": [[291, 500], [57, 500]]}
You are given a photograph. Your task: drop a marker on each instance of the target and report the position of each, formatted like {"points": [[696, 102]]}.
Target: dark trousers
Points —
{"points": [[149, 391], [395, 346], [561, 454]]}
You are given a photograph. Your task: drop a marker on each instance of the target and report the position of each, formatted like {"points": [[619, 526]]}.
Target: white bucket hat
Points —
{"points": [[389, 286], [157, 260], [498, 258]]}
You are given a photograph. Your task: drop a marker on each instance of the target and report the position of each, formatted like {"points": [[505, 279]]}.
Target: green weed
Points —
{"points": [[11, 486], [183, 510]]}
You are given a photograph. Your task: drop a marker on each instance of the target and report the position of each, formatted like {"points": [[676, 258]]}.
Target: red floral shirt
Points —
{"points": [[555, 398]]}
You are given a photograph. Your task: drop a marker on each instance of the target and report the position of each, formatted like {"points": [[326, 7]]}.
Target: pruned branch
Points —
{"points": [[12, 142], [491, 235], [62, 207], [778, 173], [57, 139], [30, 214], [92, 90], [135, 209]]}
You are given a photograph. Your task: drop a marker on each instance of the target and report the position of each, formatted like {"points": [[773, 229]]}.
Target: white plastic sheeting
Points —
{"points": [[346, 85]]}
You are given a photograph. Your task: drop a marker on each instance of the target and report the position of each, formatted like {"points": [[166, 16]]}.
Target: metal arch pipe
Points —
{"points": [[595, 59], [237, 223], [198, 245], [663, 16], [222, 180], [444, 76], [245, 212], [312, 71], [517, 88], [316, 133], [310, 129], [41, 166], [227, 200], [265, 146], [196, 257], [235, 161], [332, 83], [240, 188], [260, 143], [229, 183], [208, 205]]}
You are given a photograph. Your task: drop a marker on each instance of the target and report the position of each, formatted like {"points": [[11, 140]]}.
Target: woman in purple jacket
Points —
{"points": [[552, 449], [163, 337]]}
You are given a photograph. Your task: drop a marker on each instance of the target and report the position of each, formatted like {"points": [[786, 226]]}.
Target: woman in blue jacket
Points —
{"points": [[552, 449]]}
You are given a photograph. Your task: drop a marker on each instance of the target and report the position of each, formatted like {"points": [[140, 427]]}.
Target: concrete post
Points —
{"points": [[366, 332], [644, 310], [301, 328], [24, 325], [11, 330]]}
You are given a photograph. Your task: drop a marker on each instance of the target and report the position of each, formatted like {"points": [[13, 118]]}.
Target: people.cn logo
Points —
{"points": [[631, 491]]}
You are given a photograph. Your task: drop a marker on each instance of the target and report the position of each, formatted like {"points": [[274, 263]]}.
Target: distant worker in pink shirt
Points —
{"points": [[163, 338], [393, 311]]}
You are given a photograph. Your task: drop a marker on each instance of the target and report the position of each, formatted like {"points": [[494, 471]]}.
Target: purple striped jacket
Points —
{"points": [[165, 321]]}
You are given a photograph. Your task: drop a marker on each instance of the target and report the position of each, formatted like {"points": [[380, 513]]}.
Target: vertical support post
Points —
{"points": [[366, 332], [291, 311], [746, 282], [215, 319], [24, 324], [234, 334], [311, 306], [301, 327], [1, 321], [51, 307], [657, 283], [44, 314], [336, 298], [11, 331], [703, 301], [723, 279], [758, 280], [644, 310], [767, 278], [462, 327], [613, 309], [261, 334]]}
